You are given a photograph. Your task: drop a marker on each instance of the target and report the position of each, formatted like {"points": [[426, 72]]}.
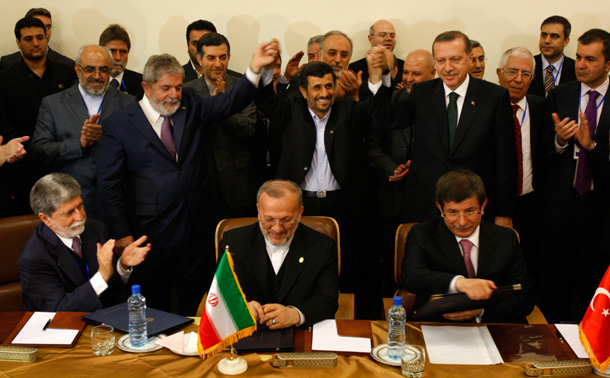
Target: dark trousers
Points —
{"points": [[528, 223]]}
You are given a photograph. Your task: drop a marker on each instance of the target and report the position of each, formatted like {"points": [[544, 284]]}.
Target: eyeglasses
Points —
{"points": [[89, 70], [385, 35], [512, 73], [466, 214], [282, 222]]}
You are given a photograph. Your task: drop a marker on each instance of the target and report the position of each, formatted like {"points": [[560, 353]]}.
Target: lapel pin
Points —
{"points": [[472, 103], [332, 131], [301, 260]]}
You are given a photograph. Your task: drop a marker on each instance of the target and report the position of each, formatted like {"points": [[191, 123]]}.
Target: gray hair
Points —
{"points": [[158, 65], [279, 188], [520, 52], [315, 39], [79, 54], [50, 192], [336, 32]]}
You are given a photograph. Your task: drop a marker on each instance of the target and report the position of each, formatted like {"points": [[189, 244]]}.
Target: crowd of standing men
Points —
{"points": [[366, 141]]}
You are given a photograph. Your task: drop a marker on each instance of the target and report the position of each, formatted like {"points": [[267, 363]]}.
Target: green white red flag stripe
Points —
{"points": [[595, 326], [226, 317]]}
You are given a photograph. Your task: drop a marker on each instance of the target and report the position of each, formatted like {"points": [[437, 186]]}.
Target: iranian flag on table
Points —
{"points": [[594, 328], [226, 317]]}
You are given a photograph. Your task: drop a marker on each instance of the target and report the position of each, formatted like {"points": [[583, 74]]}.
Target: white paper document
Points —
{"points": [[570, 334], [326, 338], [32, 332], [460, 345]]}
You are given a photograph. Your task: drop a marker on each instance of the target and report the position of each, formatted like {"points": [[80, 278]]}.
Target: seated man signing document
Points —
{"points": [[460, 252], [287, 271]]}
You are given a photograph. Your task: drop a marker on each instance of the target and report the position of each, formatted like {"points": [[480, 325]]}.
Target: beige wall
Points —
{"points": [[159, 26]]}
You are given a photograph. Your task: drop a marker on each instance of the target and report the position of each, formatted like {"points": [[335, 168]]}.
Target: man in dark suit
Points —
{"points": [[197, 29], [388, 160], [458, 122], [45, 17], [576, 201], [68, 130], [530, 116], [381, 33], [460, 252], [22, 88], [226, 141], [552, 66], [116, 39], [287, 271], [63, 266], [152, 174]]}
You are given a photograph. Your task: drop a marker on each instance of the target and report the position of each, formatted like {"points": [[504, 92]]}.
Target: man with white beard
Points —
{"points": [[67, 132], [63, 266]]}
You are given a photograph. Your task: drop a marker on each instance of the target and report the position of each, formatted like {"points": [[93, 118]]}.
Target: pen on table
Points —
{"points": [[559, 337], [46, 325]]}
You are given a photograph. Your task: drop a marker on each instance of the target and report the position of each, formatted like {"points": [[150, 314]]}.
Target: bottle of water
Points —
{"points": [[397, 316], [137, 318]]}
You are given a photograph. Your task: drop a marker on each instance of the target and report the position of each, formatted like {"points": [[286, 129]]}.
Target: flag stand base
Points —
{"points": [[605, 373], [233, 365]]}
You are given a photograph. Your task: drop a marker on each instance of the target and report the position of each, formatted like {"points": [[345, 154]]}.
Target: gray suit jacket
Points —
{"points": [[56, 139], [226, 151]]}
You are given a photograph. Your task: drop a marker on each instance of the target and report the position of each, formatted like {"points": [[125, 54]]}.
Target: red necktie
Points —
{"points": [[519, 150], [76, 246], [466, 247]]}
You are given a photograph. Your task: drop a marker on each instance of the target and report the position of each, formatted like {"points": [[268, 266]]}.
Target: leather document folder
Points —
{"points": [[157, 321], [445, 303], [267, 341]]}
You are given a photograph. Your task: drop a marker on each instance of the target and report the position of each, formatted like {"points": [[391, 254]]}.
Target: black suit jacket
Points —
{"points": [[8, 60], [561, 167], [132, 83], [568, 74], [144, 190], [52, 279], [310, 281], [226, 151], [343, 137], [539, 119], [484, 143], [386, 150], [433, 258]]}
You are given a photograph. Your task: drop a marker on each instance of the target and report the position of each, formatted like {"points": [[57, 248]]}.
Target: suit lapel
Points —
{"points": [[440, 113], [294, 262], [258, 259], [65, 261], [603, 124], [139, 122], [469, 110], [449, 247], [77, 104], [487, 245], [329, 132], [179, 120]]}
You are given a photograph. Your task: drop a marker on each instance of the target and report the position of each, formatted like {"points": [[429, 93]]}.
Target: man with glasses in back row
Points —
{"points": [[68, 128]]}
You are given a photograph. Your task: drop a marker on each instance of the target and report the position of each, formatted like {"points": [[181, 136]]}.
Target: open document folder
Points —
{"points": [[326, 338], [34, 332], [460, 345]]}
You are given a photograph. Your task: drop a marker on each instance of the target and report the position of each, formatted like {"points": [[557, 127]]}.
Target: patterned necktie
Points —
{"points": [[167, 136], [466, 247], [452, 116], [76, 246], [583, 172], [519, 150], [549, 80], [114, 83]]}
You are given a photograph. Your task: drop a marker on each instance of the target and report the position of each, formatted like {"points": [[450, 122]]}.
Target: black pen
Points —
{"points": [[46, 325], [559, 337]]}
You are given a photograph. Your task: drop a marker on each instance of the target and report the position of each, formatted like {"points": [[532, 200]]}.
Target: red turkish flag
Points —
{"points": [[594, 328]]}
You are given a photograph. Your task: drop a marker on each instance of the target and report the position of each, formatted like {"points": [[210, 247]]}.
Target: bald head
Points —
{"points": [[419, 66], [92, 67], [382, 33]]}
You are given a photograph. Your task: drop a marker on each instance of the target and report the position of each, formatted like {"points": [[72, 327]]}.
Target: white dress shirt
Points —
{"points": [[461, 91], [320, 175]]}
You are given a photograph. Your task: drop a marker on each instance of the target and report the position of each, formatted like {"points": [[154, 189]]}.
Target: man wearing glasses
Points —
{"points": [[460, 252], [516, 73], [68, 130], [381, 33], [287, 271]]}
